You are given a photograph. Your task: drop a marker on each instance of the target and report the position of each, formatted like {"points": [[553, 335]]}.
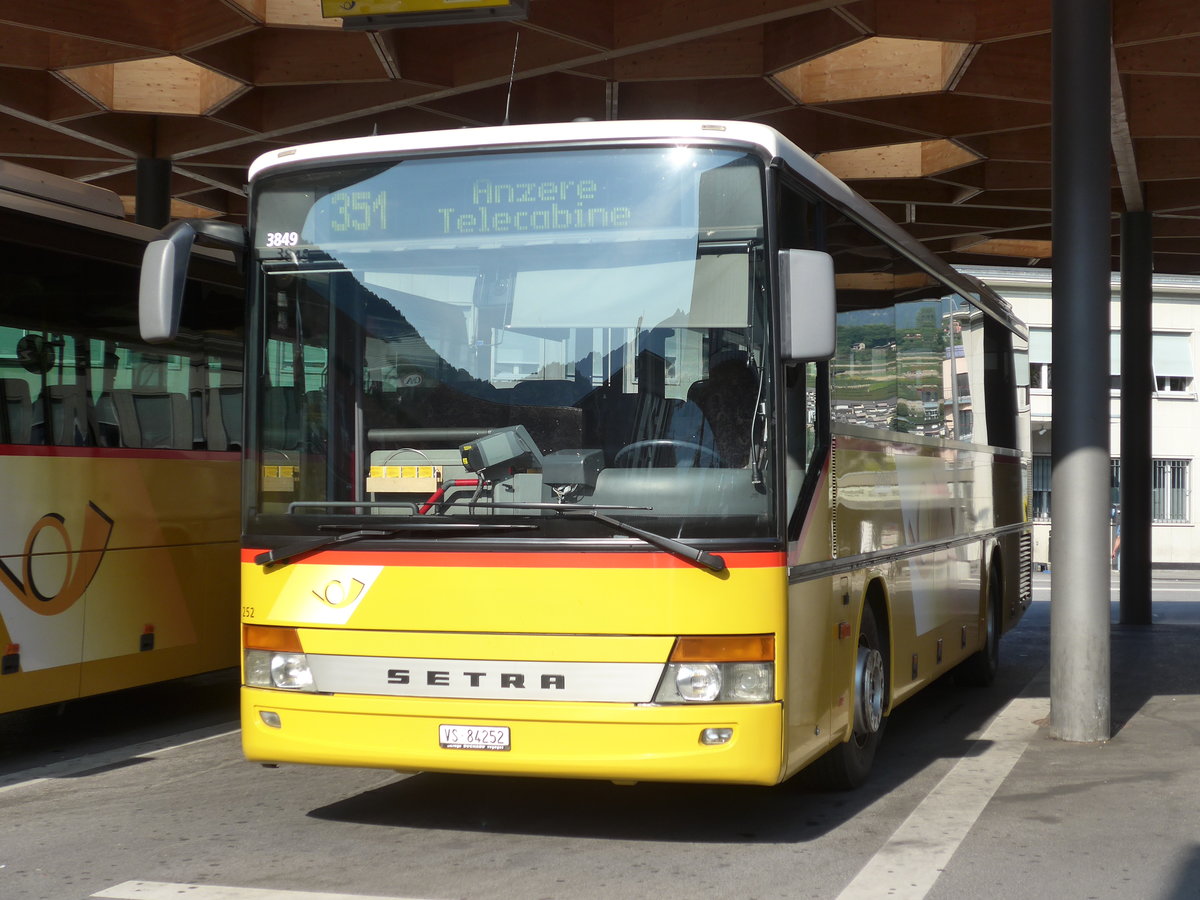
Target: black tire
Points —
{"points": [[979, 669], [848, 765]]}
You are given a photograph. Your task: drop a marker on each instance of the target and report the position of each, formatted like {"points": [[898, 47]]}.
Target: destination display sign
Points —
{"points": [[484, 197]]}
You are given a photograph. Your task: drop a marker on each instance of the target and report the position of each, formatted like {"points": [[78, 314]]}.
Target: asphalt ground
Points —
{"points": [[1117, 818]]}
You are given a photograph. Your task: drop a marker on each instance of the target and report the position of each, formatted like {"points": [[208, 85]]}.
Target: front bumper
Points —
{"points": [[619, 742]]}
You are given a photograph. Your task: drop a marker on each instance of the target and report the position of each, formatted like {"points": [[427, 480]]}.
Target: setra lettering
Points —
{"points": [[477, 679], [466, 679]]}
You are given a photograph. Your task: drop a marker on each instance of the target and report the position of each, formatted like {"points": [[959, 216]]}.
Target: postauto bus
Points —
{"points": [[622, 450]]}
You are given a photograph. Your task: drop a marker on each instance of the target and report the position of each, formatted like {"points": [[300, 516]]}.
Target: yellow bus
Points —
{"points": [[118, 460], [619, 450]]}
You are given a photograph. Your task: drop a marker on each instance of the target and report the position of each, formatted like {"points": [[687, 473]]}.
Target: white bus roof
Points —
{"points": [[750, 134]]}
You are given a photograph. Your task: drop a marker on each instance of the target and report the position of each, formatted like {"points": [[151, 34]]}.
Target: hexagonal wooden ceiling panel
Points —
{"points": [[936, 110]]}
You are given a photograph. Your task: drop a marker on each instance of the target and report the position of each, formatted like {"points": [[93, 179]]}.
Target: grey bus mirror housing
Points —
{"points": [[164, 272], [808, 302]]}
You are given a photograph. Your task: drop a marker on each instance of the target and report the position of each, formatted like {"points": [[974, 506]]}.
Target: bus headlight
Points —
{"points": [[698, 683], [273, 669], [290, 671], [748, 682], [717, 683], [720, 669], [275, 658]]}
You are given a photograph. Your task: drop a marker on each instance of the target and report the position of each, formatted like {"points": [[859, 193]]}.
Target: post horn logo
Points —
{"points": [[81, 565], [338, 595]]}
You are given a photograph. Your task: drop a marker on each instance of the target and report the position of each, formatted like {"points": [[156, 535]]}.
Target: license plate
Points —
{"points": [[474, 737]]}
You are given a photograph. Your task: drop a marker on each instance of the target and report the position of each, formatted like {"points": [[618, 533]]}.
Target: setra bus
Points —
{"points": [[118, 460], [621, 450]]}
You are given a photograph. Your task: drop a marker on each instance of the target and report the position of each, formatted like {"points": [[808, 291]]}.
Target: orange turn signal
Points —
{"points": [[724, 648], [269, 637]]}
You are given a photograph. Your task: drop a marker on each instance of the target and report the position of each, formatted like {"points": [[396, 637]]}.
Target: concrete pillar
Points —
{"points": [[1080, 698], [1137, 391]]}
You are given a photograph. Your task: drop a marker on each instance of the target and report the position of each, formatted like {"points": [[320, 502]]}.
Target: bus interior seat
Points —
{"points": [[608, 415], [614, 419], [153, 419], [108, 424], [225, 419], [726, 400], [72, 417], [16, 424]]}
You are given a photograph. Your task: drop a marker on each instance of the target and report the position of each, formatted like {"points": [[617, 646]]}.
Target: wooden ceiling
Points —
{"points": [[936, 110]]}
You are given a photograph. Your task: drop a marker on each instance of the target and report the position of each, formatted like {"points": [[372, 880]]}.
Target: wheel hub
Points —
{"points": [[869, 689]]}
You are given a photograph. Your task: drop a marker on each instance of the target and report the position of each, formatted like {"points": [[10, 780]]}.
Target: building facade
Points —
{"points": [[1175, 409]]}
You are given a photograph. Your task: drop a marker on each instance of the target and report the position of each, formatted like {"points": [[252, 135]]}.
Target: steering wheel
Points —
{"points": [[687, 446]]}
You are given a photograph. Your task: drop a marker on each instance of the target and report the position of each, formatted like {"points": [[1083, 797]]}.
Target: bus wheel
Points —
{"points": [[848, 764], [979, 669]]}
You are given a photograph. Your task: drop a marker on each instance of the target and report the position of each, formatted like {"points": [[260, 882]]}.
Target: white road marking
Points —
{"points": [[161, 890], [906, 867]]}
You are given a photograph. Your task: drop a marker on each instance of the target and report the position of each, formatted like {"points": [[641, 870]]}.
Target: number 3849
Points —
{"points": [[282, 238]]}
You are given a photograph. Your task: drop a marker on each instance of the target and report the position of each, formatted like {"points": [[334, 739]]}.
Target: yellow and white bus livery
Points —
{"points": [[119, 460], [627, 450]]}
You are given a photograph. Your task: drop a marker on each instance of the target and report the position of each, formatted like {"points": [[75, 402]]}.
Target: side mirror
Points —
{"points": [[808, 302], [164, 272]]}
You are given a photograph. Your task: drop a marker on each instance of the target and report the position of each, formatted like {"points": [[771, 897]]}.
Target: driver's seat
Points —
{"points": [[726, 399]]}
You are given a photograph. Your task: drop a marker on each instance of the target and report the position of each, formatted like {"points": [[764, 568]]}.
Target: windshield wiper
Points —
{"points": [[710, 561], [291, 551]]}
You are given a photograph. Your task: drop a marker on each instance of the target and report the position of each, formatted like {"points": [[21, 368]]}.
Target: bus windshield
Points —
{"points": [[518, 334]]}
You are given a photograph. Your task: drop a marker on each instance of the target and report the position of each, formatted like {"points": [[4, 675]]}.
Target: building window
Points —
{"points": [[1172, 384], [1041, 489], [1169, 497], [1172, 354], [1039, 376], [1171, 357], [1040, 359], [1168, 491]]}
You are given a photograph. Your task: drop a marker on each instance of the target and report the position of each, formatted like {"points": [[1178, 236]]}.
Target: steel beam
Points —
{"points": [[152, 202], [1137, 391], [1080, 698]]}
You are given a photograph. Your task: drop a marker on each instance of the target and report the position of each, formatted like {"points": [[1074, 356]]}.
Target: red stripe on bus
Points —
{"points": [[114, 453], [548, 559]]}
